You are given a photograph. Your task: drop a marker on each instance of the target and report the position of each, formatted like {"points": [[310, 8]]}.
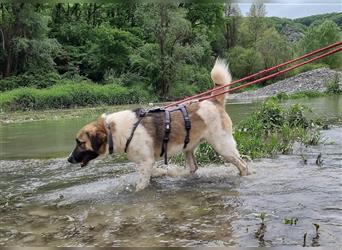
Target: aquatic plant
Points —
{"points": [[304, 158], [315, 239], [262, 217], [260, 233], [273, 129], [304, 239], [333, 87], [292, 221], [301, 94], [319, 162], [316, 227]]}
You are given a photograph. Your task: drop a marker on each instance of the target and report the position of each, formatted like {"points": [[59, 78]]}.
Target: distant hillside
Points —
{"points": [[307, 21], [294, 29]]}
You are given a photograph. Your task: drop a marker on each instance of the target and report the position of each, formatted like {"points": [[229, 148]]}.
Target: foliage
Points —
{"points": [[272, 130], [335, 17], [280, 23], [35, 79], [307, 67], [26, 46], [168, 28], [109, 51], [68, 95], [333, 87], [167, 48], [320, 36], [272, 43], [297, 95], [244, 61]]}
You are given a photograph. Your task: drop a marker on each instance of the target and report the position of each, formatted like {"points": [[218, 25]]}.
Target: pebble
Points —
{"points": [[314, 80]]}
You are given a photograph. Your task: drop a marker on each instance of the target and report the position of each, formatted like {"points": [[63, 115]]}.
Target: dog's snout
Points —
{"points": [[71, 159]]}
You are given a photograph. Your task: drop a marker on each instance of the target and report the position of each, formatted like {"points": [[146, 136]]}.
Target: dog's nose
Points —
{"points": [[71, 159]]}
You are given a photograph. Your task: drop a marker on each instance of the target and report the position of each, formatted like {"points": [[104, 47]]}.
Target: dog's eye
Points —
{"points": [[80, 143]]}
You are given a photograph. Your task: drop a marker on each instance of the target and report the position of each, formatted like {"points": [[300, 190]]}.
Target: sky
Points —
{"points": [[295, 8]]}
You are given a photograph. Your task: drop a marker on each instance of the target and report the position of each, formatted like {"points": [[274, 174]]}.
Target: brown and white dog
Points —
{"points": [[209, 121]]}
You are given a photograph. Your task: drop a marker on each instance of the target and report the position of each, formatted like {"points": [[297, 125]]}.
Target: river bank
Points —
{"points": [[62, 98], [314, 81]]}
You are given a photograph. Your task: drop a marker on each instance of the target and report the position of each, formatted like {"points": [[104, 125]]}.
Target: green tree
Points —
{"points": [[204, 14], [25, 45], [243, 62], [232, 18], [254, 24], [109, 51], [167, 29], [273, 48], [320, 36]]}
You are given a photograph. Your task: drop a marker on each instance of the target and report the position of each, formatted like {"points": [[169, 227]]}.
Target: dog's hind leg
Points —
{"points": [[145, 172], [226, 146], [190, 161]]}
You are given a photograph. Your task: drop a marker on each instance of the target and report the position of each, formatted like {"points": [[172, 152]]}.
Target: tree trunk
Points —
{"points": [[162, 39]]}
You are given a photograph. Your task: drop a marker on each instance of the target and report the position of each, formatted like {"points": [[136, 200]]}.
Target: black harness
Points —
{"points": [[167, 127], [110, 142]]}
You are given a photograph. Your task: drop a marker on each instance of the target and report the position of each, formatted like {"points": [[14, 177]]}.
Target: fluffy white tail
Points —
{"points": [[220, 75]]}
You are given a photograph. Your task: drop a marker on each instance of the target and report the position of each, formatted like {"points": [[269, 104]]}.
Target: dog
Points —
{"points": [[209, 121]]}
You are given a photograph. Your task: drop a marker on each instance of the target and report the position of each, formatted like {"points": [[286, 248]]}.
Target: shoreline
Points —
{"points": [[94, 112]]}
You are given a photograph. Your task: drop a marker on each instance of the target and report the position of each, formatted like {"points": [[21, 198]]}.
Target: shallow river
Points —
{"points": [[44, 201]]}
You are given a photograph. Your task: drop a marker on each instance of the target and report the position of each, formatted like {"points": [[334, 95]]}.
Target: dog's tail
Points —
{"points": [[220, 75]]}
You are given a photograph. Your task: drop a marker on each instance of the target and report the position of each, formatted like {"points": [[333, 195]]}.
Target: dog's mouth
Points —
{"points": [[84, 163]]}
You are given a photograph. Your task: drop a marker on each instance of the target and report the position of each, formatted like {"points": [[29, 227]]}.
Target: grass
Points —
{"points": [[71, 95], [56, 114], [333, 87]]}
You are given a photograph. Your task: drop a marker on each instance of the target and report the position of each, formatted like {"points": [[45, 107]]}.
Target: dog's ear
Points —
{"points": [[97, 140]]}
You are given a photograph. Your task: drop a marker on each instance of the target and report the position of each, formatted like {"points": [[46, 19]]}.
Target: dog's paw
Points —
{"points": [[193, 171], [245, 172], [141, 185]]}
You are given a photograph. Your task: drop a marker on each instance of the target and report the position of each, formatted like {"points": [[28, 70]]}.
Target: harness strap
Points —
{"points": [[110, 142], [142, 114], [166, 135], [187, 125], [167, 127]]}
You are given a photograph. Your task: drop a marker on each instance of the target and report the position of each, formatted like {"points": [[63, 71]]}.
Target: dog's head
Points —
{"points": [[91, 142]]}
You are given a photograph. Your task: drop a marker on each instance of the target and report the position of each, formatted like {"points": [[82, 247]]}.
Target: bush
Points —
{"points": [[273, 129], [29, 79], [306, 67], [69, 95], [319, 36], [333, 87], [243, 62], [302, 94]]}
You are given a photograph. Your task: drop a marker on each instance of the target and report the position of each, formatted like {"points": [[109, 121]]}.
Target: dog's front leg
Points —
{"points": [[145, 171], [190, 161]]}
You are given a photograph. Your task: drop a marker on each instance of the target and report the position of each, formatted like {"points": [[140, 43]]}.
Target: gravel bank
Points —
{"points": [[314, 80]]}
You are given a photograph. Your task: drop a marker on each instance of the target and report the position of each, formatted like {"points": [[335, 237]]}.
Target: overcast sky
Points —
{"points": [[295, 8]]}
